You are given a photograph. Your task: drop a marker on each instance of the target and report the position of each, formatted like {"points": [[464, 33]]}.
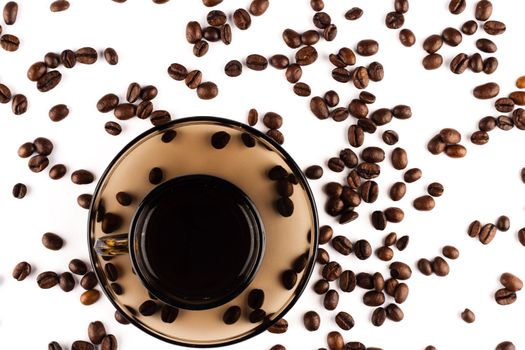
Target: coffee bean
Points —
{"points": [[279, 61], [77, 266], [455, 151], [459, 63], [211, 34], [390, 286], [52, 241], [433, 43], [331, 271], [82, 345], [504, 104], [66, 282], [336, 164], [36, 71], [207, 90], [452, 36], [9, 42], [506, 345], [342, 245], [311, 321], [355, 136], [436, 145], [59, 5], [148, 308], [54, 346], [521, 236], [113, 128], [272, 120], [289, 279], [344, 320], [335, 341], [310, 37], [476, 63], [511, 282], [109, 342], [378, 220], [487, 123], [19, 190], [43, 146], [483, 10], [397, 191], [317, 5], [5, 94], [177, 71], [368, 47], [401, 293], [10, 12], [82, 177], [468, 316], [107, 103], [111, 56], [365, 280], [341, 75], [200, 48], [394, 20], [339, 114], [407, 37], [432, 61], [518, 97], [293, 73], [373, 298], [111, 272], [400, 270], [325, 234], [424, 266], [353, 14], [47, 279], [504, 123], [57, 171], [369, 191], [378, 317], [58, 112], [133, 92], [486, 45], [125, 111], [503, 223], [38, 163], [450, 252], [86, 55], [412, 175], [322, 257], [394, 214], [494, 27], [242, 19], [358, 109], [402, 112], [256, 298], [440, 266], [284, 206], [490, 65], [291, 38], [373, 154], [21, 271], [385, 253], [232, 315], [457, 6], [319, 108], [399, 158], [111, 222], [331, 299], [394, 313], [216, 18], [424, 203], [330, 32], [84, 200], [361, 77], [347, 281], [322, 286], [306, 56], [19, 104], [68, 58], [193, 32], [486, 91], [362, 249], [321, 20], [504, 296], [469, 27], [279, 327]]}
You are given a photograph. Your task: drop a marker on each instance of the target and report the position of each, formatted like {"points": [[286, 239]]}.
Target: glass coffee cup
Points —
{"points": [[195, 229]]}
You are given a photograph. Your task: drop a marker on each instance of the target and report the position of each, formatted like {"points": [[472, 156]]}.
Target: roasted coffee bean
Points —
{"points": [[322, 256], [259, 7], [401, 6], [68, 58], [242, 19], [375, 72], [368, 170], [506, 345], [109, 342], [231, 315], [168, 314], [272, 120], [84, 200], [440, 266], [399, 158], [476, 63], [457, 6], [306, 56], [373, 155], [494, 27], [52, 241], [111, 56], [356, 136], [518, 97], [107, 103], [483, 10], [504, 123], [353, 180], [319, 108], [193, 79], [9, 42], [486, 91], [43, 146], [279, 327], [345, 57], [486, 45], [82, 345], [394, 214], [47, 280], [54, 346], [397, 191], [390, 239], [211, 34], [412, 175], [378, 220], [335, 341], [111, 222], [216, 18], [474, 228], [78, 267], [57, 171], [89, 281], [148, 308], [401, 293], [289, 279], [317, 5], [504, 296], [402, 243], [330, 32], [331, 300], [342, 245], [347, 281], [468, 316], [200, 48], [291, 38], [336, 164], [435, 189], [86, 55], [220, 139], [293, 73], [344, 320], [325, 234], [38, 163], [424, 203], [455, 151], [504, 105], [348, 157], [390, 286], [469, 27], [311, 321], [369, 191], [358, 109], [379, 281], [59, 5], [111, 272], [284, 206], [348, 215], [487, 123], [390, 137], [339, 114], [207, 90], [160, 117], [394, 313], [368, 47], [177, 71], [256, 298], [402, 112], [424, 266], [113, 128], [36, 71], [5, 94], [211, 3], [436, 145], [19, 190], [511, 282], [385, 253], [279, 61], [394, 20], [490, 65], [314, 172], [341, 75], [353, 14], [21, 271], [321, 20], [58, 112], [362, 249], [459, 63], [503, 223], [373, 298], [433, 43], [451, 36], [378, 317], [407, 37], [133, 93], [117, 288], [10, 12], [120, 318], [193, 32], [96, 332], [82, 177], [19, 104], [400, 270], [432, 61], [332, 271]]}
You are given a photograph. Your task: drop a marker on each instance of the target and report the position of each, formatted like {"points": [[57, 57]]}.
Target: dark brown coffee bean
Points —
{"points": [[200, 48], [455, 151], [19, 104], [424, 203], [435, 189], [353, 180], [82, 345], [322, 257], [378, 317], [96, 332], [339, 114], [272, 120], [399, 158], [365, 280], [331, 300], [504, 123], [503, 223], [256, 298], [321, 20], [77, 266], [148, 308], [291, 38], [19, 190], [321, 286], [407, 37], [358, 109], [373, 298], [424, 266], [9, 42], [193, 32], [394, 214], [468, 316], [47, 280], [369, 191], [412, 175], [43, 146], [211, 34], [232, 315], [342, 245], [356, 136], [156, 176], [394, 313], [476, 63], [111, 56], [306, 56], [335, 341], [348, 157], [330, 32], [361, 77], [450, 252], [341, 75], [336, 164], [390, 286], [86, 55], [111, 272], [207, 90], [432, 61], [168, 314], [216, 18], [331, 271], [10, 12], [107, 103], [52, 241], [84, 200], [394, 20], [220, 139], [436, 145], [58, 112], [177, 71], [459, 63], [289, 279], [469, 27], [378, 220], [390, 239], [518, 97], [293, 73], [319, 108], [21, 271], [375, 72], [373, 155], [279, 327], [401, 293], [54, 346], [379, 281], [82, 177], [400, 270], [325, 234], [474, 228], [504, 296], [402, 243], [59, 5], [256, 316], [242, 19], [124, 198], [38, 163], [279, 61], [314, 172], [511, 282], [457, 6], [347, 281], [193, 79], [109, 342], [368, 170], [494, 27], [125, 111], [385, 253], [113, 128], [402, 112], [160, 117], [487, 123], [311, 321], [362, 249], [451, 36], [310, 37], [5, 94], [368, 47], [284, 206], [397, 191], [490, 65], [390, 137], [36, 71], [353, 14], [440, 266], [486, 45], [506, 345], [57, 171], [483, 10], [433, 43]]}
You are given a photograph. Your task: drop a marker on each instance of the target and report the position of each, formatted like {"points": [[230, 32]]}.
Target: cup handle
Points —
{"points": [[112, 245]]}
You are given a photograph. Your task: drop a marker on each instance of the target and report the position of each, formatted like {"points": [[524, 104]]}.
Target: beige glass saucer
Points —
{"points": [[291, 242]]}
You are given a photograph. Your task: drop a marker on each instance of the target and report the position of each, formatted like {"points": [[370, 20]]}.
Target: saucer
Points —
{"points": [[251, 161]]}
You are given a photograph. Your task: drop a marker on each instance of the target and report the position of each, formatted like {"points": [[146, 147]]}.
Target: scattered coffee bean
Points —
{"points": [[331, 299], [459, 63], [19, 190], [486, 91], [504, 296], [353, 14], [47, 280], [109, 342], [399, 158], [400, 270], [84, 200], [279, 327], [19, 104], [402, 243], [367, 47], [242, 19], [440, 267], [452, 36], [424, 266], [506, 345], [66, 282], [82, 177], [486, 45], [494, 27], [394, 313], [407, 37], [511, 282], [9, 42], [314, 172], [378, 317], [432, 61], [82, 345], [394, 20], [335, 341], [373, 298], [503, 223], [52, 241], [21, 271], [362, 249], [148, 308], [344, 320]]}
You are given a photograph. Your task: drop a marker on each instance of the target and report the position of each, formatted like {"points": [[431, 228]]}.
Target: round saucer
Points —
{"points": [[255, 164]]}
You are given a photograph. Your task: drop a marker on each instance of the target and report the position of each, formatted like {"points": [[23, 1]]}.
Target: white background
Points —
{"points": [[148, 38]]}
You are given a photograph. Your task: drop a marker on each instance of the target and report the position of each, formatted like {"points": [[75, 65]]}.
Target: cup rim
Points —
{"points": [[289, 160], [136, 256]]}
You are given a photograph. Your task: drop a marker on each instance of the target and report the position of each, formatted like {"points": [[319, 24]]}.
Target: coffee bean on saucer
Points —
{"points": [[111, 272], [285, 206], [47, 279], [117, 288], [232, 315], [289, 279], [156, 176], [220, 139], [52, 241], [124, 198], [78, 267], [256, 298], [168, 314], [257, 316], [148, 308], [21, 271]]}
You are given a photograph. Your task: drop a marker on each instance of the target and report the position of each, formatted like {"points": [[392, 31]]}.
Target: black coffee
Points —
{"points": [[200, 241]]}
